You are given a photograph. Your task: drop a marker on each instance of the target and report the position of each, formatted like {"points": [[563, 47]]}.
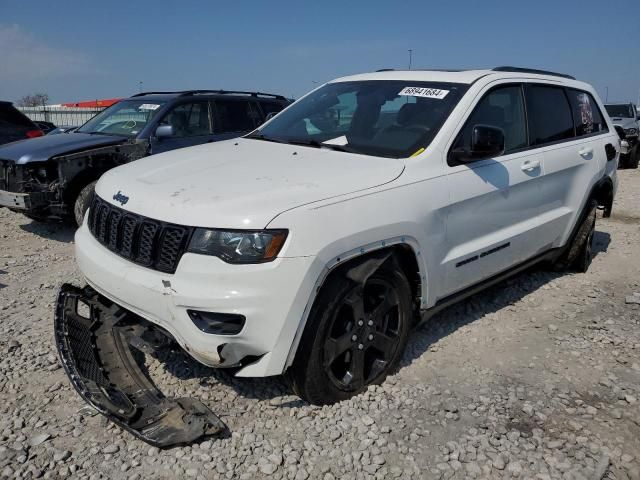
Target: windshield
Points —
{"points": [[384, 118], [126, 118], [624, 111]]}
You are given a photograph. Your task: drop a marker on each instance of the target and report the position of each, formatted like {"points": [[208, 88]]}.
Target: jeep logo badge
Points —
{"points": [[119, 197]]}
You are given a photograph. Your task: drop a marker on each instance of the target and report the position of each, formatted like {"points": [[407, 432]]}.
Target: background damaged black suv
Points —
{"points": [[53, 177]]}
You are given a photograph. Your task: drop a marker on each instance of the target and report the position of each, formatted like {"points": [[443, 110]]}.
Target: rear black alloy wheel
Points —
{"points": [[585, 255], [579, 252], [355, 335]]}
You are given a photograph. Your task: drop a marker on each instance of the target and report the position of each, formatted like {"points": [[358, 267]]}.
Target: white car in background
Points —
{"points": [[313, 245]]}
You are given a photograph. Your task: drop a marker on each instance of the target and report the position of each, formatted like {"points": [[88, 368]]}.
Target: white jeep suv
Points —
{"points": [[313, 245]]}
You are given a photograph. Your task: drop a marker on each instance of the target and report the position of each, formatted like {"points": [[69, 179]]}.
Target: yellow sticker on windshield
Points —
{"points": [[417, 152]]}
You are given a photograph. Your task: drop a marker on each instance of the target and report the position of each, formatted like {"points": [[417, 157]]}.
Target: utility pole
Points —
{"points": [[140, 86], [606, 94], [410, 57]]}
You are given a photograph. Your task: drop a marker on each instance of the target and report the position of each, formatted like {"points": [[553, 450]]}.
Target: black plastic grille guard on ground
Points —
{"points": [[96, 355]]}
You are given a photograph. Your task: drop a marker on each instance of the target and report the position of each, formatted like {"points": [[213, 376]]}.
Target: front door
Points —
{"points": [[494, 203], [191, 124]]}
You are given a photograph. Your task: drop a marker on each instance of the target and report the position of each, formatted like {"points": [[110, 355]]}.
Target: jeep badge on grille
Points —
{"points": [[119, 197]]}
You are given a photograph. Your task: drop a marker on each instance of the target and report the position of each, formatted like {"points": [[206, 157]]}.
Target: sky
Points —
{"points": [[84, 50]]}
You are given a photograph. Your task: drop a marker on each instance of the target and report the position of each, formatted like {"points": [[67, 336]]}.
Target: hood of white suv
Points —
{"points": [[241, 183]]}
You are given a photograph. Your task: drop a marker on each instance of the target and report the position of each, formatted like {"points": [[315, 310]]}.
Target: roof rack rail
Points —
{"points": [[531, 70], [235, 92], [217, 92], [385, 70], [141, 94]]}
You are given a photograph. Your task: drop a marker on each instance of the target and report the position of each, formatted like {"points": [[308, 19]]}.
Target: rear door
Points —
{"points": [[235, 117], [494, 205], [568, 127], [191, 123]]}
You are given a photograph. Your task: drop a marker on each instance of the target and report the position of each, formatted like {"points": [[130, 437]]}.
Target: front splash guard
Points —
{"points": [[96, 355]]}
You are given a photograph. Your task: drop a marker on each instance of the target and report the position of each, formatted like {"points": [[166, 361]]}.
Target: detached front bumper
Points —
{"points": [[95, 338]]}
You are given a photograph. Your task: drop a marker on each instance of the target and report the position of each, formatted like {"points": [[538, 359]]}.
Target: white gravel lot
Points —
{"points": [[538, 377]]}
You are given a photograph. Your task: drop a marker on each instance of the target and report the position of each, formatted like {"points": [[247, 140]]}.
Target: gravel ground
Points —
{"points": [[538, 377]]}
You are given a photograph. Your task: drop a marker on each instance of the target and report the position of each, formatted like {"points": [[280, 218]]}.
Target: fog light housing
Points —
{"points": [[217, 323]]}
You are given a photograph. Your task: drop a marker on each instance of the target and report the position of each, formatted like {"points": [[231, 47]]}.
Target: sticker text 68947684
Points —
{"points": [[424, 92]]}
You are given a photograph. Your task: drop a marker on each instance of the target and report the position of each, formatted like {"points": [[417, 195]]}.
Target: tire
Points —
{"points": [[83, 201], [634, 157], [355, 335], [579, 254], [622, 162]]}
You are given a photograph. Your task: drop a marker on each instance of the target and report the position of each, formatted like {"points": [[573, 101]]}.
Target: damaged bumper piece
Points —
{"points": [[98, 342]]}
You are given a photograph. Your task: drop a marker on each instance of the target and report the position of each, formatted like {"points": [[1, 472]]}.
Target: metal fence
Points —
{"points": [[61, 116]]}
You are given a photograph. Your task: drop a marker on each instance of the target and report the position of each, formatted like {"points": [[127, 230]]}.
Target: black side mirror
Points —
{"points": [[164, 131], [486, 142], [620, 132]]}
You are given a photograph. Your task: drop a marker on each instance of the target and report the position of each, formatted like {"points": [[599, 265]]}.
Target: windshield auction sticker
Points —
{"points": [[149, 106], [424, 92]]}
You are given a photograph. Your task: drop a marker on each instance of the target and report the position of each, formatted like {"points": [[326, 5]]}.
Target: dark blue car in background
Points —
{"points": [[53, 177]]}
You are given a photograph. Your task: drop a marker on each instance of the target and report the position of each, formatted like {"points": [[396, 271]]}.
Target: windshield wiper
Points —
{"points": [[317, 144], [262, 136], [309, 143]]}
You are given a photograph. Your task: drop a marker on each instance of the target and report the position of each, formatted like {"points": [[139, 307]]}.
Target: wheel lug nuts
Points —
{"points": [[354, 338], [370, 336], [360, 323], [370, 322], [360, 346]]}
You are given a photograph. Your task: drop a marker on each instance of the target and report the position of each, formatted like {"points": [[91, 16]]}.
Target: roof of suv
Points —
{"points": [[207, 94], [457, 76]]}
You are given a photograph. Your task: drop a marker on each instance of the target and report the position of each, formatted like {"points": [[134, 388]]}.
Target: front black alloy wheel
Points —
{"points": [[355, 335], [83, 201]]}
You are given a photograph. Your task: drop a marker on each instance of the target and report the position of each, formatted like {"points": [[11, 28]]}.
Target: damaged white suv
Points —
{"points": [[313, 245]]}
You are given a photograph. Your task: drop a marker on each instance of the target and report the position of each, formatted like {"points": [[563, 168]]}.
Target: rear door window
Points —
{"points": [[586, 113], [550, 117], [236, 116]]}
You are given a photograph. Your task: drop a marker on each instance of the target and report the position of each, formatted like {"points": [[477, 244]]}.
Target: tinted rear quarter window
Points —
{"points": [[271, 107], [10, 116], [586, 113], [550, 118], [236, 116]]}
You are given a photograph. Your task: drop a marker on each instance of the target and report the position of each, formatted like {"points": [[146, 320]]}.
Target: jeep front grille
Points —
{"points": [[147, 242]]}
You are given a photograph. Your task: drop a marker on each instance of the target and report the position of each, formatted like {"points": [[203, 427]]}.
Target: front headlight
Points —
{"points": [[238, 246], [631, 131]]}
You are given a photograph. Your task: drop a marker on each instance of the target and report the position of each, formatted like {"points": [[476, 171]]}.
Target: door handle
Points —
{"points": [[586, 152], [530, 165]]}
